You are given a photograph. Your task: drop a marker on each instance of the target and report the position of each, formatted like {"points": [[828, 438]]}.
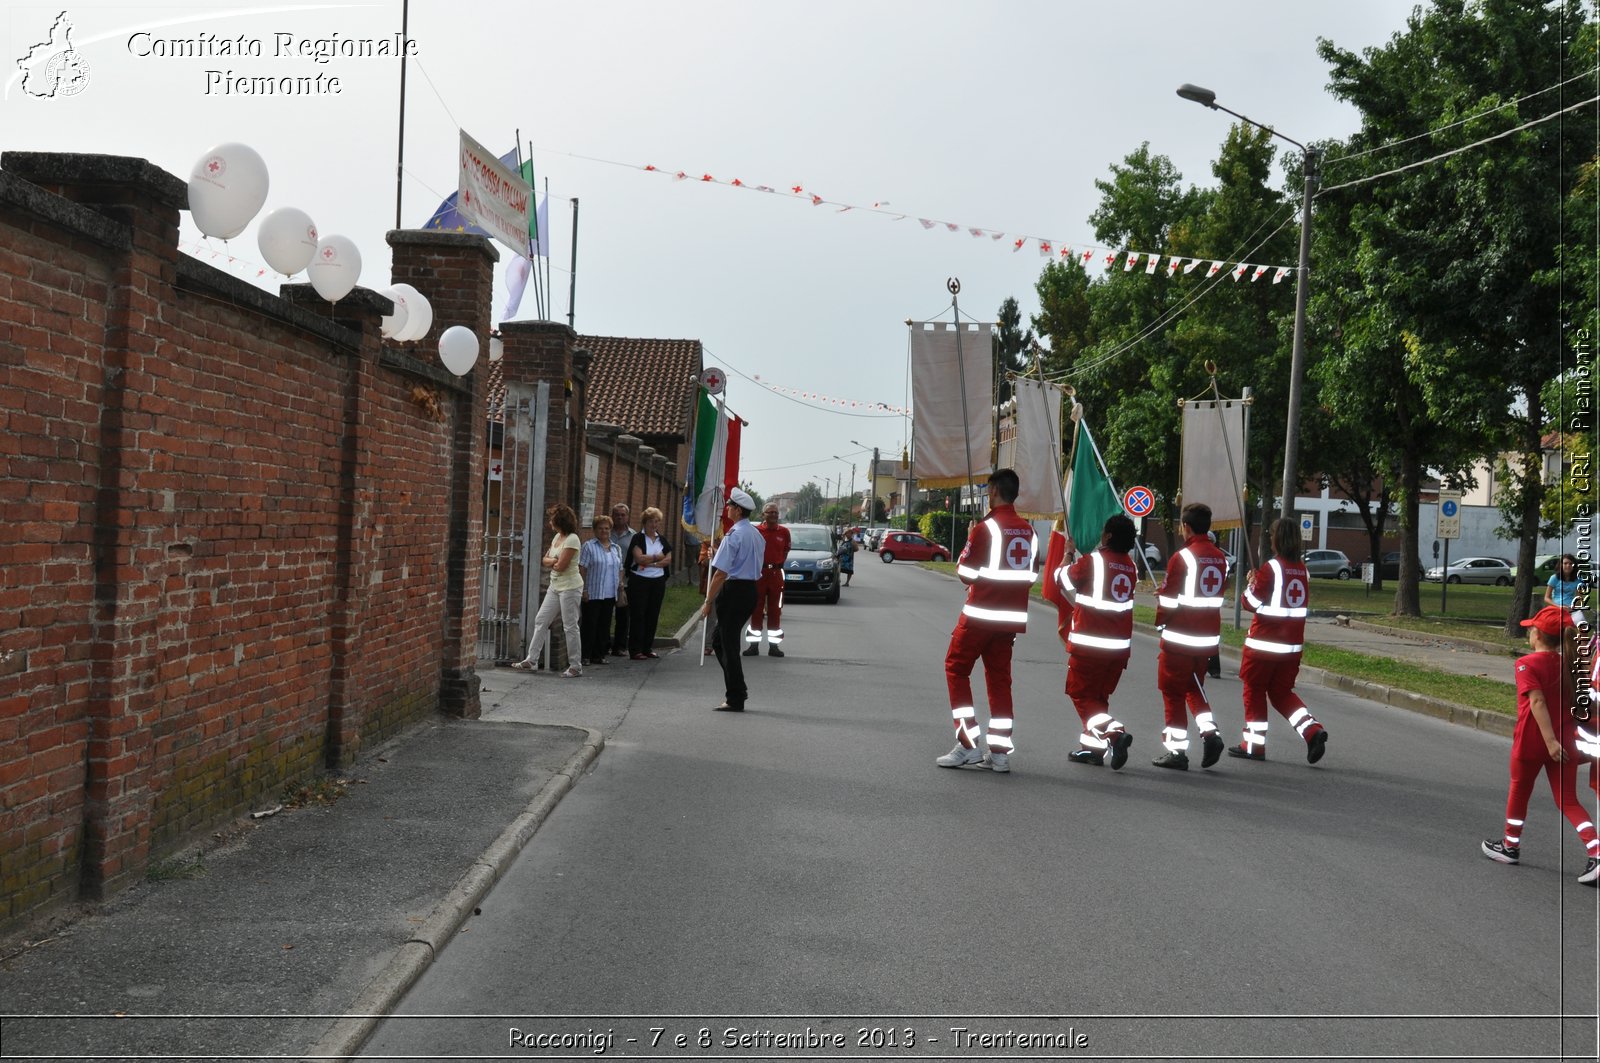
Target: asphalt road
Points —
{"points": [[804, 870]]}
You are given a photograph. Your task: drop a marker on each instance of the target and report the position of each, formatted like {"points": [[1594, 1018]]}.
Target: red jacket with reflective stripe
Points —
{"points": [[1189, 600], [1279, 597], [997, 565], [1102, 612]]}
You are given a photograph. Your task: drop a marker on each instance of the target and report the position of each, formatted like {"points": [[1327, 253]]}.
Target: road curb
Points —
{"points": [[346, 1036]]}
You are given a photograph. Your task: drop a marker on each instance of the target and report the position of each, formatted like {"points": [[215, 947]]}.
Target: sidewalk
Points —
{"points": [[293, 934]]}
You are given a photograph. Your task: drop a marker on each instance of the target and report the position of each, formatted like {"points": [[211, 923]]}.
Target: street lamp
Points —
{"points": [[1297, 357], [872, 484], [852, 465]]}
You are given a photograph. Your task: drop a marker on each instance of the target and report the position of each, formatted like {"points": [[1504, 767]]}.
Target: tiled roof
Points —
{"points": [[643, 385]]}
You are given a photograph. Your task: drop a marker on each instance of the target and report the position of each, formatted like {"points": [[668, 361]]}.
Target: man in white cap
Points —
{"points": [[731, 594]]}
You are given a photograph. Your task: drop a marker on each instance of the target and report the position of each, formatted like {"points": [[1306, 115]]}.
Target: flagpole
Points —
{"points": [[400, 159], [572, 274], [716, 521], [954, 285]]}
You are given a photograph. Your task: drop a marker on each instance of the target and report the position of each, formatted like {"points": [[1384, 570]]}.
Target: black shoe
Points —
{"points": [[1316, 746], [1244, 754], [725, 707], [1211, 744], [753, 650], [1214, 668], [1497, 850], [1119, 749], [1175, 761], [773, 651], [1087, 756]]}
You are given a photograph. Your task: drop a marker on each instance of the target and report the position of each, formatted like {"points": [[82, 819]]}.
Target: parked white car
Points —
{"points": [[1472, 570]]}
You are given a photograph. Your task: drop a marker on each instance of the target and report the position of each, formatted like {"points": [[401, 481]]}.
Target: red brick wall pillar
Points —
{"points": [[456, 274], [129, 553]]}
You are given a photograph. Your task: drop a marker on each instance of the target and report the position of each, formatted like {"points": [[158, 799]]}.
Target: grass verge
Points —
{"points": [[677, 606]]}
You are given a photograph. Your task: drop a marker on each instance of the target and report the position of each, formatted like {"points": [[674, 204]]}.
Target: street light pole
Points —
{"points": [[1297, 355], [872, 484]]}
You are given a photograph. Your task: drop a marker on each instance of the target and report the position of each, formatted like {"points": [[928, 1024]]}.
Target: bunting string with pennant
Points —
{"points": [[1048, 247]]}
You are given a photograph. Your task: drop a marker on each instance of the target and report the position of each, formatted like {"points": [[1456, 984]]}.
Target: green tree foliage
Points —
{"points": [[1011, 346], [807, 508], [1469, 244]]}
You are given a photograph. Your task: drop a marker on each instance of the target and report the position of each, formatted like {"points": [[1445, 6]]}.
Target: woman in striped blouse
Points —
{"points": [[600, 561]]}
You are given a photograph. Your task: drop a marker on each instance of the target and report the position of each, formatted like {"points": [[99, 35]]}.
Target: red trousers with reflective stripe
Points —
{"points": [[1091, 681], [968, 643], [1270, 677], [1563, 787], [769, 602], [1181, 678]]}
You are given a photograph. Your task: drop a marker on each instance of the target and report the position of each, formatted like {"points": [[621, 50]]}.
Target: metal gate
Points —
{"points": [[513, 525]]}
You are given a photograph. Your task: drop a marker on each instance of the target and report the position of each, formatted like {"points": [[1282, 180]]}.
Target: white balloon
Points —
{"points": [[497, 348], [458, 349], [393, 323], [287, 238], [227, 187], [335, 268], [419, 317]]}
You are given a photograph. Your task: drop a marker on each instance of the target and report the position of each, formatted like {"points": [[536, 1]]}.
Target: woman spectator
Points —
{"points": [[600, 562], [565, 593], [1564, 585], [647, 585]]}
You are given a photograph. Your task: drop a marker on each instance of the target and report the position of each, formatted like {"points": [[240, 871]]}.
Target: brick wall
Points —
{"points": [[239, 526]]}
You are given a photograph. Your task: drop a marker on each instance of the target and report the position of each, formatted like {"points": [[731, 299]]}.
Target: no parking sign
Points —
{"points": [[1139, 501]]}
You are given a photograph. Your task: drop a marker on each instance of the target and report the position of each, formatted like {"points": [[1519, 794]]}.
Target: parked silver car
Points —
{"points": [[1332, 564], [1472, 570]]}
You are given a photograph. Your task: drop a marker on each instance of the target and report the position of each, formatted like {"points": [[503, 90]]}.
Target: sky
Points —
{"points": [[998, 116]]}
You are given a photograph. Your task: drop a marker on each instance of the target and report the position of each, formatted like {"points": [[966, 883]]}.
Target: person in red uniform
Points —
{"points": [[997, 567], [1189, 613], [1544, 739], [1278, 595], [769, 587], [1099, 639]]}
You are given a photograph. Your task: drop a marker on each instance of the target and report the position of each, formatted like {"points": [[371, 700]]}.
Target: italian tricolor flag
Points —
{"points": [[715, 471]]}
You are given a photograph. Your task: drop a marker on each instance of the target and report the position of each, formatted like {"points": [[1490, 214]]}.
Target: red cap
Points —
{"points": [[1550, 620]]}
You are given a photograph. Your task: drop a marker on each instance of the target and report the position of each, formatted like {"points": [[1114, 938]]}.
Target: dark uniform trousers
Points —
{"points": [[733, 607]]}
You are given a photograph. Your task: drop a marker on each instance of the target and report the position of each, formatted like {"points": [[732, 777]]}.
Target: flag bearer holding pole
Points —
{"points": [[1100, 586]]}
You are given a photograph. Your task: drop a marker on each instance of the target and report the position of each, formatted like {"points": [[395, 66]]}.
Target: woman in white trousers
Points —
{"points": [[564, 595]]}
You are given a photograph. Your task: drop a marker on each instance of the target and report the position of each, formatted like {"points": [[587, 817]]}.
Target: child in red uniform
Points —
{"points": [[1544, 738]]}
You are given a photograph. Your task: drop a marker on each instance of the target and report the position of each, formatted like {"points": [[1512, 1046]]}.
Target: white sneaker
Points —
{"points": [[1000, 762], [959, 757]]}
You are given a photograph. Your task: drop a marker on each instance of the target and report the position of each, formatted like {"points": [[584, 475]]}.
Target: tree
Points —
{"points": [[807, 503], [1471, 243], [1063, 320], [1011, 343], [1129, 379]]}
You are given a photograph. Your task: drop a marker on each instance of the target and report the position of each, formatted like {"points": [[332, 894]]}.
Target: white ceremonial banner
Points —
{"points": [[949, 442], [1035, 451], [493, 197], [1213, 463]]}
